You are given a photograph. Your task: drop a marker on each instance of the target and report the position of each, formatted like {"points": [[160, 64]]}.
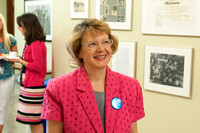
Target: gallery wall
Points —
{"points": [[165, 113], [3, 8]]}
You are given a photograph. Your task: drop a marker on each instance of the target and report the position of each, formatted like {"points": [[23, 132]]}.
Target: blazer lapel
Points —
{"points": [[88, 100], [112, 91]]}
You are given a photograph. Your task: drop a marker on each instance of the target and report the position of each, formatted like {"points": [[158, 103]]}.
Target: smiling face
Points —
{"points": [[96, 58]]}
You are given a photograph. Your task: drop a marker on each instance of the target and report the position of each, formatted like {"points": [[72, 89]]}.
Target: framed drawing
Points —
{"points": [[43, 10], [171, 17], [123, 61], [168, 70], [117, 13], [79, 8]]}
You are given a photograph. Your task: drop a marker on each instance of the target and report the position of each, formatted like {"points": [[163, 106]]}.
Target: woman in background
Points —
{"points": [[7, 43], [93, 98], [33, 72]]}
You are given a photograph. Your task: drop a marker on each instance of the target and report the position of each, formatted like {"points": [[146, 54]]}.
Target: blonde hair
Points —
{"points": [[6, 36], [74, 42]]}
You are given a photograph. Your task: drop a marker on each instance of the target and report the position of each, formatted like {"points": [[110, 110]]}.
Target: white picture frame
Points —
{"points": [[79, 8], [168, 70], [117, 13], [171, 17], [123, 61], [43, 10]]}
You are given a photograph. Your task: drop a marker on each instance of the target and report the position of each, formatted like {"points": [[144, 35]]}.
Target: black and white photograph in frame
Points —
{"points": [[123, 61], [168, 70], [117, 13], [79, 8], [42, 9]]}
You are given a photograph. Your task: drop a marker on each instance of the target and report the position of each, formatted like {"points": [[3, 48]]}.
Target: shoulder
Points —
{"points": [[37, 43], [10, 35], [122, 77], [12, 39], [64, 80], [126, 84], [62, 86]]}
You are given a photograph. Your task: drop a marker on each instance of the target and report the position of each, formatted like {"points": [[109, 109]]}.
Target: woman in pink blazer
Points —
{"points": [[93, 98]]}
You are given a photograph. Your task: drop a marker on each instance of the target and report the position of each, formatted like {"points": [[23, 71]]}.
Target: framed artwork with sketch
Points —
{"points": [[117, 13], [168, 70], [123, 61], [43, 10], [79, 8]]}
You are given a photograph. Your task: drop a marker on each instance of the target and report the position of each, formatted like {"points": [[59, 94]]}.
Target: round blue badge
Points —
{"points": [[116, 103]]}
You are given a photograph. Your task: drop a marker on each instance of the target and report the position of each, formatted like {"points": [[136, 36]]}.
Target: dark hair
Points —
{"points": [[32, 27]]}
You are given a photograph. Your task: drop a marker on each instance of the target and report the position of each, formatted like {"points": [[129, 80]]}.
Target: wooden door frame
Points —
{"points": [[10, 16]]}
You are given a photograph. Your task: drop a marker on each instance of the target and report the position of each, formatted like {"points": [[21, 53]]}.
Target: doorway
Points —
{"points": [[10, 16]]}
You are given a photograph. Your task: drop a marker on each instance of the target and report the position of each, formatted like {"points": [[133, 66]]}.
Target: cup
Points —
{"points": [[13, 54]]}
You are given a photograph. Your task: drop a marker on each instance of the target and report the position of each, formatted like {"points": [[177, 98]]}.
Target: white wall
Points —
{"points": [[3, 8]]}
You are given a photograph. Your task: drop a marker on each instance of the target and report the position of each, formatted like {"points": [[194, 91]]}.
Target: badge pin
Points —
{"points": [[116, 103]]}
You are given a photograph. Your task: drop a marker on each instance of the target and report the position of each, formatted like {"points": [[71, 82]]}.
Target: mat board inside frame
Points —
{"points": [[168, 70]]}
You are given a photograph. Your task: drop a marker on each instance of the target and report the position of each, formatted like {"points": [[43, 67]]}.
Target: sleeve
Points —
{"points": [[13, 41], [52, 107], [37, 56], [138, 111]]}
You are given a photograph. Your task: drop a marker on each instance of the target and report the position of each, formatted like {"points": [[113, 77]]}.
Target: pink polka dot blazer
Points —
{"points": [[70, 99]]}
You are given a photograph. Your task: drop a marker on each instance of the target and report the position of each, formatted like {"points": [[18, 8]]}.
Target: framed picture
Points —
{"points": [[171, 17], [117, 13], [123, 61], [168, 70], [79, 8], [43, 10]]}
